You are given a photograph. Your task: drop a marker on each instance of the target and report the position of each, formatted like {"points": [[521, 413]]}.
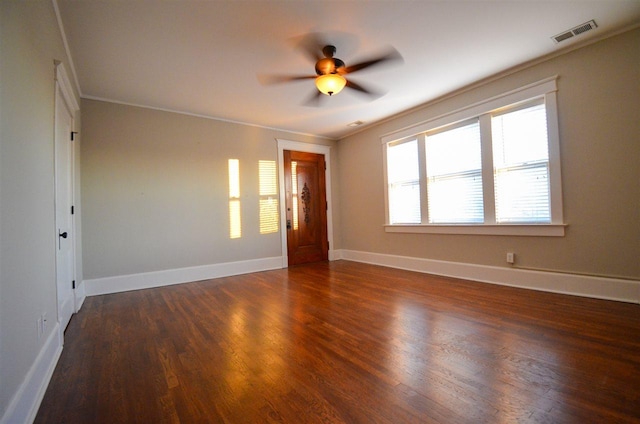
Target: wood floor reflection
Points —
{"points": [[344, 342]]}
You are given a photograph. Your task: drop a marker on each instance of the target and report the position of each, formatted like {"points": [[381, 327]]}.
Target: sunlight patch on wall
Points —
{"points": [[235, 224], [268, 197]]}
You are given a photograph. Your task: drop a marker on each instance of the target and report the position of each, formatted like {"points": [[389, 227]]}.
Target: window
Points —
{"points": [[490, 168]]}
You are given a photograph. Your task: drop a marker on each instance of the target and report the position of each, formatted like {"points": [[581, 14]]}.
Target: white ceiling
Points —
{"points": [[203, 57]]}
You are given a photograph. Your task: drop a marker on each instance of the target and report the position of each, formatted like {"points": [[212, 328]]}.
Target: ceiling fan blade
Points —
{"points": [[311, 45], [314, 99], [363, 90], [280, 79], [392, 55]]}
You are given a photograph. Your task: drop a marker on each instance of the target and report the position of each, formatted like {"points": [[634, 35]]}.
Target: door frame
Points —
{"points": [[308, 148]]}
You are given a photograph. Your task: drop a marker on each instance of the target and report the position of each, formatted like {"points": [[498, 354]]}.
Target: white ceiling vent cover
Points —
{"points": [[587, 26]]}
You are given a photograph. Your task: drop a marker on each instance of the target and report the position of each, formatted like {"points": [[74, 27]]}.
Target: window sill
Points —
{"points": [[540, 230]]}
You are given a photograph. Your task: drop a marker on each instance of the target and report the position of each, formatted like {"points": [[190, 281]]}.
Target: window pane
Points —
{"points": [[454, 151], [454, 177], [404, 185], [268, 184], [521, 165], [402, 162], [520, 137], [456, 200], [524, 194], [404, 203], [294, 192]]}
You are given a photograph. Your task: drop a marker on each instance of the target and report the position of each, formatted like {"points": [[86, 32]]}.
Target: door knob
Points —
{"points": [[61, 235], [288, 224]]}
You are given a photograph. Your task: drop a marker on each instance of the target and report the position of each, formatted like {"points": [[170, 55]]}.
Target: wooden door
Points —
{"points": [[306, 207]]}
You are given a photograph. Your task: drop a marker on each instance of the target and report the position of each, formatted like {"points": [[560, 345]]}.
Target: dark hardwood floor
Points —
{"points": [[344, 342]]}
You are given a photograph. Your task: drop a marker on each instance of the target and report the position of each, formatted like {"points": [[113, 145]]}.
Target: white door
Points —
{"points": [[64, 218]]}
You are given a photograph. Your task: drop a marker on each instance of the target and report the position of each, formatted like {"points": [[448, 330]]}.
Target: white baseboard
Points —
{"points": [[23, 408], [565, 283], [80, 295], [334, 255], [146, 280]]}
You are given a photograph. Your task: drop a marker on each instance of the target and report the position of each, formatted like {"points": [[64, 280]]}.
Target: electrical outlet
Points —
{"points": [[511, 257]]}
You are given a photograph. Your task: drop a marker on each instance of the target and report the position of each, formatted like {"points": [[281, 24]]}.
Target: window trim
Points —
{"points": [[547, 230], [546, 89]]}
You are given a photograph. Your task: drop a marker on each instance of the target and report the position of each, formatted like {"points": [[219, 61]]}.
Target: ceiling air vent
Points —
{"points": [[587, 26]]}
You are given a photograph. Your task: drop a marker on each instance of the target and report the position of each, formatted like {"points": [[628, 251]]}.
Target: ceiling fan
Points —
{"points": [[331, 71]]}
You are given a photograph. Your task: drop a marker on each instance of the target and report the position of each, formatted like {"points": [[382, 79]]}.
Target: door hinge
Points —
{"points": [[72, 210], [73, 284], [73, 135]]}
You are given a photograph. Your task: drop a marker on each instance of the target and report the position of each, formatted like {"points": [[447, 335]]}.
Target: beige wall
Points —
{"points": [[599, 118], [30, 42], [155, 189]]}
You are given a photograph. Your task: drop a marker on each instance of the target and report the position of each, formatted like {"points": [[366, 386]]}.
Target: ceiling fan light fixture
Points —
{"points": [[330, 84]]}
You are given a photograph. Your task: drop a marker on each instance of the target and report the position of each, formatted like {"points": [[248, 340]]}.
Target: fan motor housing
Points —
{"points": [[329, 65]]}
